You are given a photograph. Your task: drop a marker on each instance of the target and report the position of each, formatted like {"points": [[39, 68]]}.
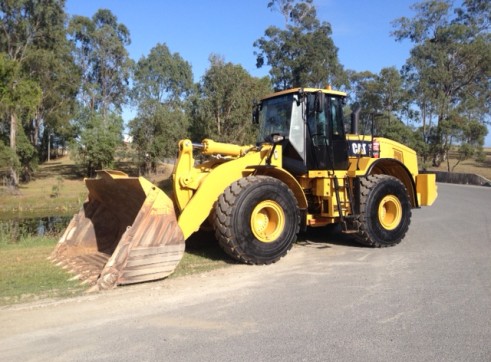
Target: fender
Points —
{"points": [[395, 168], [286, 177]]}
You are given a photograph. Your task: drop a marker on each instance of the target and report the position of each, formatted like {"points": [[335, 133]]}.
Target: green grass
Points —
{"points": [[56, 188], [202, 254], [26, 275]]}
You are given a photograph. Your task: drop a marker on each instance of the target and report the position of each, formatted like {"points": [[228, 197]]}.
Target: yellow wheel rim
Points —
{"points": [[390, 212], [267, 221]]}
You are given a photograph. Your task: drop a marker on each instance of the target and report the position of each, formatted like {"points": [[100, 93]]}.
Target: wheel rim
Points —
{"points": [[267, 221], [390, 212]]}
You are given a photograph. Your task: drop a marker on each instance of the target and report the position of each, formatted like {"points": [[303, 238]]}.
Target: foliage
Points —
{"points": [[19, 97], [99, 137], [449, 68], [33, 39], [156, 135], [222, 108], [378, 95], [162, 82], [68, 78], [27, 155], [103, 60], [8, 157], [49, 62], [161, 77], [18, 93], [105, 66], [303, 54]]}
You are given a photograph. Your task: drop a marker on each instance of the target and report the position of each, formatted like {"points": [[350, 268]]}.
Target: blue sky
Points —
{"points": [[195, 29]]}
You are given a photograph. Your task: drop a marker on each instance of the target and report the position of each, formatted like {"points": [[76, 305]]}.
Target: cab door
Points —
{"points": [[326, 141]]}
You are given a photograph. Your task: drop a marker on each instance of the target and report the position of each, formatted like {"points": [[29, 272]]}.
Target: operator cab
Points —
{"points": [[308, 123]]}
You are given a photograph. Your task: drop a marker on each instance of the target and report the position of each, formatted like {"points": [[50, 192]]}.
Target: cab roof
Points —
{"points": [[327, 90]]}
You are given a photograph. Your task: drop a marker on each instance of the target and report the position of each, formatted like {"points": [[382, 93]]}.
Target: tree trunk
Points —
{"points": [[35, 134], [13, 137], [13, 131], [448, 161], [49, 146], [14, 177]]}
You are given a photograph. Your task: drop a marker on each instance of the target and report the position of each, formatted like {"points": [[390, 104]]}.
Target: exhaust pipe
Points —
{"points": [[355, 116]]}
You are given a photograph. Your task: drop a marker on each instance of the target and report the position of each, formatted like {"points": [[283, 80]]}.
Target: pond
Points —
{"points": [[15, 229]]}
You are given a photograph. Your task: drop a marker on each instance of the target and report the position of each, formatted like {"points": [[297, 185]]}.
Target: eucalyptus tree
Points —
{"points": [[50, 62], [222, 108], [161, 84], [101, 55], [383, 102], [19, 98], [449, 67], [303, 53], [27, 29]]}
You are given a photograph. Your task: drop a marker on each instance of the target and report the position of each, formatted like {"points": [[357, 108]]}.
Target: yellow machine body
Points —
{"points": [[129, 231]]}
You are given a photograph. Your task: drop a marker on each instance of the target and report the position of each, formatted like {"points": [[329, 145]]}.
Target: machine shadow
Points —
{"points": [[204, 244], [326, 236]]}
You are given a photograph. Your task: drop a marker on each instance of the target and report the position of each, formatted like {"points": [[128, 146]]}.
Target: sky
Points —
{"points": [[196, 29]]}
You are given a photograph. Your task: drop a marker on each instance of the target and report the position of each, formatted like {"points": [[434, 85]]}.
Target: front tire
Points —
{"points": [[385, 211], [256, 220]]}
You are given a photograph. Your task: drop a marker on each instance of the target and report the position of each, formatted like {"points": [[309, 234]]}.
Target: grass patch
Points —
{"points": [[57, 188], [26, 274], [469, 166], [202, 254]]}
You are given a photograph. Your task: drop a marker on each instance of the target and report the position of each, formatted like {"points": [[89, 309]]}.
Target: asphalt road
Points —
{"points": [[427, 299]]}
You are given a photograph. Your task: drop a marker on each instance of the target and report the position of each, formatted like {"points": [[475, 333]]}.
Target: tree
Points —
{"points": [[449, 68], [303, 54], [378, 94], [19, 97], [222, 108], [104, 65], [103, 59], [156, 134], [162, 82], [99, 137], [25, 27], [49, 61]]}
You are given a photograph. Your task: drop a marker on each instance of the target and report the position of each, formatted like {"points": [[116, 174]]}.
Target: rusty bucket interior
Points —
{"points": [[126, 232]]}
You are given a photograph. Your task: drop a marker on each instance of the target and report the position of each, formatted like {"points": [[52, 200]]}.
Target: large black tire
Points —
{"points": [[256, 220], [385, 211]]}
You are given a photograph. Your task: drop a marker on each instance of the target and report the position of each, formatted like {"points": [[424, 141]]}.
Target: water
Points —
{"points": [[17, 228]]}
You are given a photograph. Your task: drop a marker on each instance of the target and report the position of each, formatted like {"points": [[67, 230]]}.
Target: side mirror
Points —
{"points": [[319, 102], [315, 103]]}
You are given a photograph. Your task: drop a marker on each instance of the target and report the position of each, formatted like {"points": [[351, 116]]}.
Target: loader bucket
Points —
{"points": [[126, 232]]}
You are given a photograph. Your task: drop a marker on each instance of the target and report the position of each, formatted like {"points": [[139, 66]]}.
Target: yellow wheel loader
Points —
{"points": [[305, 171]]}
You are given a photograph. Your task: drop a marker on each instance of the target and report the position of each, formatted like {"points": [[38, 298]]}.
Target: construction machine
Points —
{"points": [[304, 171]]}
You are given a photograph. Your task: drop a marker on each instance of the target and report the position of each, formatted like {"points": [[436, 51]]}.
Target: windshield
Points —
{"points": [[275, 116], [283, 115]]}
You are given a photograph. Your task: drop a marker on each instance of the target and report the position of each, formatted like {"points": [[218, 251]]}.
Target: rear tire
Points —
{"points": [[385, 211], [256, 220]]}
